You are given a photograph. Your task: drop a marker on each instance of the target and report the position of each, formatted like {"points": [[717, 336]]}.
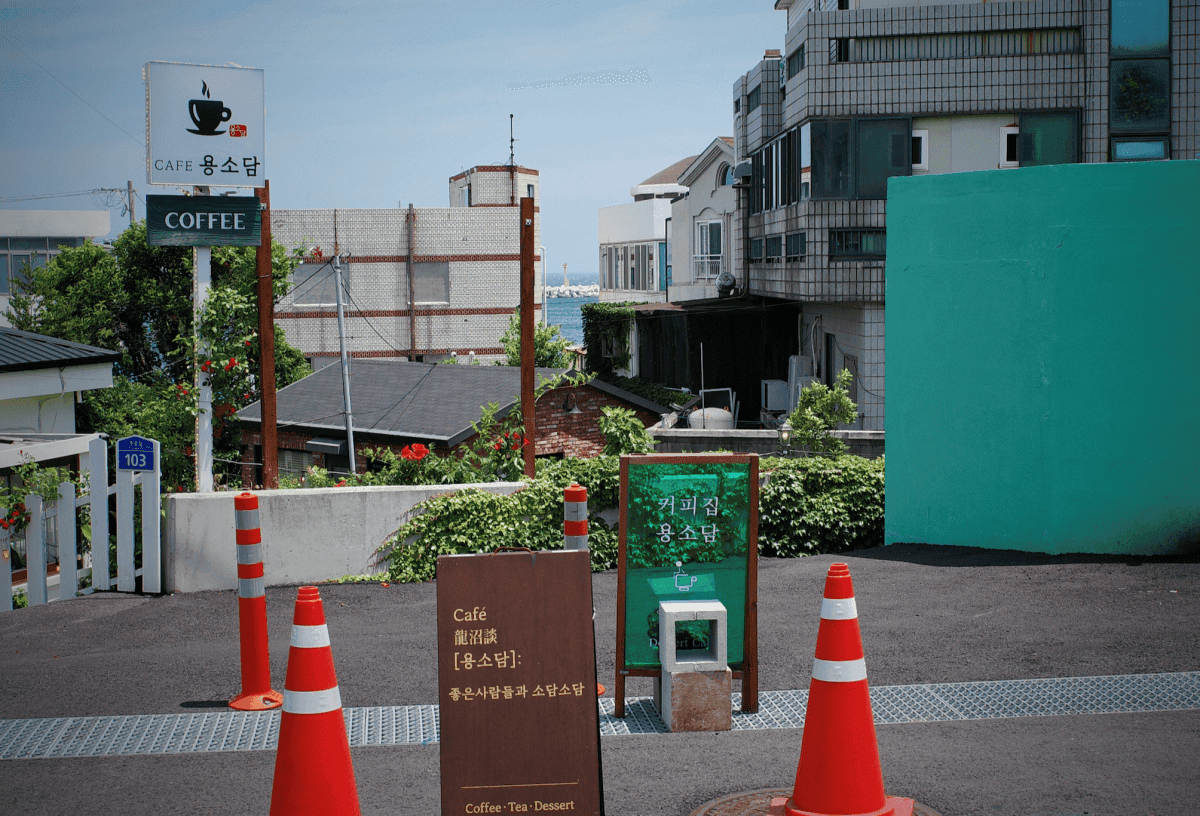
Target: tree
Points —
{"points": [[138, 300], [549, 346], [820, 411]]}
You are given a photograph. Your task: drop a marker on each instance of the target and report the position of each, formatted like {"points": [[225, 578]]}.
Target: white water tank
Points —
{"points": [[711, 419]]}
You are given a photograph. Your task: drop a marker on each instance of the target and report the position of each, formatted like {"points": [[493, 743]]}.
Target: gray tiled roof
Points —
{"points": [[24, 351], [417, 401]]}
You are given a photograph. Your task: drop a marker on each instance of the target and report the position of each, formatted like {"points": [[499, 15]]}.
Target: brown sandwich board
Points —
{"points": [[519, 721]]}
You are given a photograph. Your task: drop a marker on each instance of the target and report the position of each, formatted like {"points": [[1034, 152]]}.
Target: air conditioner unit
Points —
{"points": [[774, 395]]}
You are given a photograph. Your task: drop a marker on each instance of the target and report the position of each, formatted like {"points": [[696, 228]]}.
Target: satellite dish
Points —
{"points": [[725, 283]]}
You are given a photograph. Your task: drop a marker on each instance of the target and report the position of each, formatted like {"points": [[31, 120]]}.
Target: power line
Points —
{"points": [[77, 96]]}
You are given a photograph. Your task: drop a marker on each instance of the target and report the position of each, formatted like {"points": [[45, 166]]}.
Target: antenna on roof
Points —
{"points": [[511, 142]]}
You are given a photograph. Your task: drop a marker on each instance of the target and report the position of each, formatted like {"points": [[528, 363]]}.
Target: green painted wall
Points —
{"points": [[1043, 358]]}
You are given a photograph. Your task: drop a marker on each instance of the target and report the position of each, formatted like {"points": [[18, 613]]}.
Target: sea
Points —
{"points": [[566, 313]]}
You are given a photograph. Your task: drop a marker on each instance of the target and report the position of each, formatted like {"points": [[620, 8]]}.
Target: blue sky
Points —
{"points": [[370, 104]]}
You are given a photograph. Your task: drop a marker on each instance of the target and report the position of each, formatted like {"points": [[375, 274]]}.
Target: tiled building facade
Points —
{"points": [[466, 259], [868, 89]]}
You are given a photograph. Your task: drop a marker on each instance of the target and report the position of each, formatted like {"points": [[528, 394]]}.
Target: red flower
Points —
{"points": [[4, 523], [497, 446], [232, 362], [342, 483], [516, 445], [419, 452], [247, 344]]}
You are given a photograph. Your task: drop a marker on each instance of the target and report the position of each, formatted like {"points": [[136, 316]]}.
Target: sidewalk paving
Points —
{"points": [[928, 615]]}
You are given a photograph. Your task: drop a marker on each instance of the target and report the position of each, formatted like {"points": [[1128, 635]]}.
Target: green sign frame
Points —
{"points": [[203, 220], [688, 531]]}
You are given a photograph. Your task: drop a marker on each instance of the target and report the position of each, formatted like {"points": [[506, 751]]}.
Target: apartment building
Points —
{"points": [[699, 232], [864, 90], [465, 272]]}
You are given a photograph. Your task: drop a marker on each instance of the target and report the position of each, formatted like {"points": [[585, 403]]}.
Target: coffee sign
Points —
{"points": [[203, 221], [517, 675], [204, 125]]}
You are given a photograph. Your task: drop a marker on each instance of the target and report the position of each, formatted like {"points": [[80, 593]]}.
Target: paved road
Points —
{"points": [[927, 614]]}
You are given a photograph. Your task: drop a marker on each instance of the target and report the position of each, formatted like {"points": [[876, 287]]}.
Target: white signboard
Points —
{"points": [[204, 125]]}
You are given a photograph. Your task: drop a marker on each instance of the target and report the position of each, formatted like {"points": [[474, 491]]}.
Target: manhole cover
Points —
{"points": [[758, 803]]}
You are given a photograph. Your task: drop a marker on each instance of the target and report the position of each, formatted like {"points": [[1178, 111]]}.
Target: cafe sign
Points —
{"points": [[203, 221], [204, 125]]}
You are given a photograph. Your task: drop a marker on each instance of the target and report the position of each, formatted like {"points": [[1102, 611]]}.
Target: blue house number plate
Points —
{"points": [[135, 453]]}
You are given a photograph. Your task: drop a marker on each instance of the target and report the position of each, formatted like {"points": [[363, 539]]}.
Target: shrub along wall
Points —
{"points": [[806, 506]]}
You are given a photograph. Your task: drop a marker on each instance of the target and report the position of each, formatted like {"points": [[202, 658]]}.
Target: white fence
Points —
{"points": [[53, 526]]}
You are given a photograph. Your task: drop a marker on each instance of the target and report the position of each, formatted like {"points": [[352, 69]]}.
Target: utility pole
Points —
{"points": [[129, 201], [265, 292], [349, 416], [202, 257], [410, 224]]}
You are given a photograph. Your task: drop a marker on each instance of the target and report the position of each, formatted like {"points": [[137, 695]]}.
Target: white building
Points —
{"points": [[633, 239], [29, 238], [465, 260], [700, 232]]}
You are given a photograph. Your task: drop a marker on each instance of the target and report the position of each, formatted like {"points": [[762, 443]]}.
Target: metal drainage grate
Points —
{"points": [[418, 725]]}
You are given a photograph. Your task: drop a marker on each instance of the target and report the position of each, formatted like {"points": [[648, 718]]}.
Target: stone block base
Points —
{"points": [[695, 700]]}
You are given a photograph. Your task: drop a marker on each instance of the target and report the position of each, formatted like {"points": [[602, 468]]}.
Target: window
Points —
{"points": [[708, 238], [294, 463], [830, 159], [920, 150], [756, 250], [753, 98], [1140, 28], [4, 285], [795, 62], [1008, 146], [797, 245], [1139, 149], [737, 106], [774, 247], [1139, 95], [1048, 138], [529, 191], [839, 49], [882, 150], [467, 200], [431, 281], [315, 284], [843, 5], [857, 243], [724, 175]]}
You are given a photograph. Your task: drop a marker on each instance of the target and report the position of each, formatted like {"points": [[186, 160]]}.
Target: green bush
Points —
{"points": [[819, 505]]}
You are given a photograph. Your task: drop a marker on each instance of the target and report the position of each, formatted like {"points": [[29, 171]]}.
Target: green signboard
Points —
{"points": [[688, 531], [203, 221]]}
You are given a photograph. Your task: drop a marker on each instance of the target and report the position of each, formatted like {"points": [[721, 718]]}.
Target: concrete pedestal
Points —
{"points": [[695, 700]]}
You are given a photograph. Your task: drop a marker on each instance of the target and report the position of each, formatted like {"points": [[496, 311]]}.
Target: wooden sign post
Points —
{"points": [[520, 729], [688, 531]]}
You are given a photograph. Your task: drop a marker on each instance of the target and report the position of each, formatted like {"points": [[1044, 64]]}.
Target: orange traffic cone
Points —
{"points": [[839, 771], [313, 771]]}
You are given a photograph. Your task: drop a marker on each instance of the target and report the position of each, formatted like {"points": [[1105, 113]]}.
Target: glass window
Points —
{"points": [[756, 249], [431, 281], [858, 243], [920, 150], [884, 147], [314, 284], [795, 62], [1139, 90], [774, 246], [28, 243], [752, 98], [1049, 138], [830, 159], [4, 288], [797, 245], [709, 238], [1140, 28], [1139, 149]]}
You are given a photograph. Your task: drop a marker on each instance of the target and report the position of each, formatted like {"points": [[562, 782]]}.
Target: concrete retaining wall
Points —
{"points": [[308, 535]]}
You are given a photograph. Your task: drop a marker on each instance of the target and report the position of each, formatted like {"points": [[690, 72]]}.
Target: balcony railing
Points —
{"points": [[706, 267]]}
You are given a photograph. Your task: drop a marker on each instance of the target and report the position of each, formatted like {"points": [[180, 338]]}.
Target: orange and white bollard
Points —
{"points": [[575, 518], [839, 770], [257, 694], [313, 771]]}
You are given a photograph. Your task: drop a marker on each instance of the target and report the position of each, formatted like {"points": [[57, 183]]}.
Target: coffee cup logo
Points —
{"points": [[207, 113]]}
